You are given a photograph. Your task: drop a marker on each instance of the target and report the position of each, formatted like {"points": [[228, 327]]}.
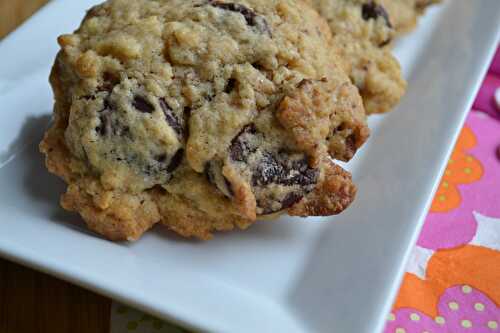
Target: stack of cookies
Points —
{"points": [[207, 115]]}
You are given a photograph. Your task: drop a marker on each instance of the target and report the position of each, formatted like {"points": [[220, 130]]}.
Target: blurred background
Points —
{"points": [[14, 12]]}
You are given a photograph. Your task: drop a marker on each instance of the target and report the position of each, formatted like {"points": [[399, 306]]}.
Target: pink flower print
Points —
{"points": [[468, 310], [457, 227], [462, 309]]}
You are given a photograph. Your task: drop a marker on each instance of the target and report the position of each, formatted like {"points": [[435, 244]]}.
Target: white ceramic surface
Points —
{"points": [[314, 275]]}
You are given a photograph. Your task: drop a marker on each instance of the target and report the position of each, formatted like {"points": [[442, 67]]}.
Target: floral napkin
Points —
{"points": [[452, 284]]}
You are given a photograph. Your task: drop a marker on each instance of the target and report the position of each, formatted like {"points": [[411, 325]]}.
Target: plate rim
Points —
{"points": [[180, 319]]}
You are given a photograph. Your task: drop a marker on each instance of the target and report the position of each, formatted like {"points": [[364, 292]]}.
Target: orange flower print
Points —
{"points": [[472, 265], [462, 169]]}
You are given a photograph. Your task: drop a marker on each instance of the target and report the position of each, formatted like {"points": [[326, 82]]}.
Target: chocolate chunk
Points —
{"points": [[304, 82], [213, 172], [269, 171], [175, 161], [279, 178], [290, 199], [88, 97], [161, 158], [258, 66], [250, 16], [231, 84], [283, 170], [240, 146], [372, 10], [247, 13], [142, 105], [350, 144], [299, 173], [161, 168], [187, 115], [105, 127], [385, 42], [209, 173], [110, 126], [272, 168], [171, 118], [109, 81]]}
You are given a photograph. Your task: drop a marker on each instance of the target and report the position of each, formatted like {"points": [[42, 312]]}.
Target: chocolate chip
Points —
{"points": [[161, 158], [105, 127], [289, 200], [257, 66], [240, 147], [269, 171], [278, 178], [248, 14], [304, 83], [109, 81], [231, 84], [175, 161], [283, 170], [251, 18], [300, 174], [273, 168], [213, 173], [385, 42], [171, 118], [350, 143], [142, 105], [88, 97], [187, 115], [372, 10], [162, 166], [209, 173], [288, 172], [422, 4], [107, 104]]}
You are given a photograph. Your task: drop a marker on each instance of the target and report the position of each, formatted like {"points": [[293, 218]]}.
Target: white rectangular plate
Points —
{"points": [[314, 275]]}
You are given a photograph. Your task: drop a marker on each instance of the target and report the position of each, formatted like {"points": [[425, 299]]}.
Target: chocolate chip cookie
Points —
{"points": [[362, 33], [201, 115], [405, 13]]}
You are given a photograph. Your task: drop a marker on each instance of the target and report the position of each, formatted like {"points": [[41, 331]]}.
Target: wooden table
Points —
{"points": [[32, 302]]}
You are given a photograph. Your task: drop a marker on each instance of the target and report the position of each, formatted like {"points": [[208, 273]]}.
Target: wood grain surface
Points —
{"points": [[14, 12], [32, 302]]}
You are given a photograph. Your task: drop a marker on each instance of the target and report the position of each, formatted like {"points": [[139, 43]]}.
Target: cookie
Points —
{"points": [[201, 115], [362, 35], [405, 13]]}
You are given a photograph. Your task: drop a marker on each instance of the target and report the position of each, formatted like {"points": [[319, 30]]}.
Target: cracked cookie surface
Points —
{"points": [[201, 115]]}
